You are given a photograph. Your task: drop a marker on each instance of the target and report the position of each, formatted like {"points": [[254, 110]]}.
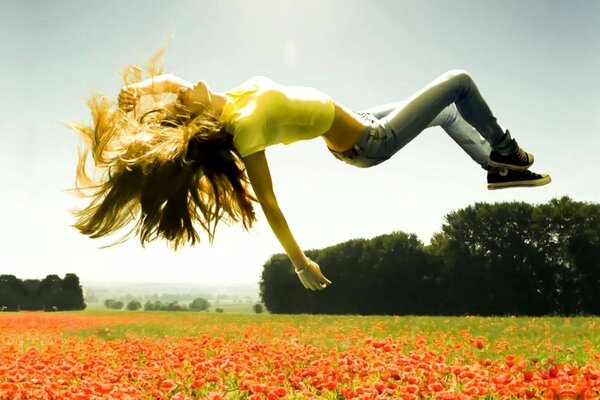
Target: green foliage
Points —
{"points": [[160, 306], [383, 275], [219, 310], [116, 304], [134, 305], [175, 306], [199, 304], [50, 294], [516, 258], [258, 308], [71, 294], [489, 259]]}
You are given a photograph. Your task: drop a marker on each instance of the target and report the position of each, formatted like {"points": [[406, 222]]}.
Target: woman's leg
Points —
{"points": [[453, 102], [464, 134], [405, 122]]}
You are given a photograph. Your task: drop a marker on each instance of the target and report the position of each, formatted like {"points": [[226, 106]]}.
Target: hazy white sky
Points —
{"points": [[536, 62]]}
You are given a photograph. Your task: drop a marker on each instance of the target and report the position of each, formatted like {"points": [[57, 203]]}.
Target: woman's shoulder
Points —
{"points": [[249, 86], [260, 79]]}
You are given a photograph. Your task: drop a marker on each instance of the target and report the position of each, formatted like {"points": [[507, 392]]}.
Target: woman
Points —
{"points": [[173, 163]]}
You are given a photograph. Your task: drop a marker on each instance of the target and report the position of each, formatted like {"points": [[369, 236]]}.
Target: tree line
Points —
{"points": [[198, 304], [49, 294], [98, 295], [510, 258]]}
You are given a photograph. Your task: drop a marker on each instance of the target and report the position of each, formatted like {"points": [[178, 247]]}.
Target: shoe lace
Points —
{"points": [[530, 174]]}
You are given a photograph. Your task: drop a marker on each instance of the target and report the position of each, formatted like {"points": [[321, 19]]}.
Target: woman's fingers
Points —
{"points": [[127, 98], [182, 92], [320, 280], [320, 283], [314, 284], [321, 276], [308, 280], [304, 279]]}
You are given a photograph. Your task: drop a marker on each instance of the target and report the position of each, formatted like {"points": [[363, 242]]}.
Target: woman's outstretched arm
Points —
{"points": [[308, 271], [160, 84], [166, 83]]}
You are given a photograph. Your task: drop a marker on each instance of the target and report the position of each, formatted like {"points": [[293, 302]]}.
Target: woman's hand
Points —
{"points": [[127, 98], [166, 83], [311, 276]]}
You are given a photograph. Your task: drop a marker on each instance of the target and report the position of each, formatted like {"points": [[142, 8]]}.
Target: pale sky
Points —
{"points": [[536, 62]]}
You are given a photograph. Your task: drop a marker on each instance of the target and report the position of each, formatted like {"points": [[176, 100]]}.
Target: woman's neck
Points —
{"points": [[218, 102]]}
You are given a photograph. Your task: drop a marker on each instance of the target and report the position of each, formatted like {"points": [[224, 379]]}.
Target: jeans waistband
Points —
{"points": [[357, 149]]}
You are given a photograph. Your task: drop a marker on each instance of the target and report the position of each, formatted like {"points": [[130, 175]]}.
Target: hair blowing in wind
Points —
{"points": [[165, 174]]}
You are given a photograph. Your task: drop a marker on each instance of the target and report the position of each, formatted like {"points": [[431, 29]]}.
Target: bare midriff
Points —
{"points": [[345, 130]]}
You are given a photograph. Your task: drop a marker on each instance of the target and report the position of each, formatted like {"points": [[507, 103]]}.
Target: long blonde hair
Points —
{"points": [[165, 172]]}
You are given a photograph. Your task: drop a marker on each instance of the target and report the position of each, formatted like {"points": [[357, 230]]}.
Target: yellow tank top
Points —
{"points": [[261, 113]]}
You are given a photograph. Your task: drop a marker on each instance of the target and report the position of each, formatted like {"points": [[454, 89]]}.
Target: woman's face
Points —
{"points": [[196, 99], [190, 102]]}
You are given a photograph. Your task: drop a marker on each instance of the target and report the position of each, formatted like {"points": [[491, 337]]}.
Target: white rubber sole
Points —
{"points": [[531, 183]]}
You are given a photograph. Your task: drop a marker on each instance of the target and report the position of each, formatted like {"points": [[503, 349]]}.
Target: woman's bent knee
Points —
{"points": [[459, 75]]}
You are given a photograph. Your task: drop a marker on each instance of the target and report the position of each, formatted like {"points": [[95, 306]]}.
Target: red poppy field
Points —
{"points": [[155, 355]]}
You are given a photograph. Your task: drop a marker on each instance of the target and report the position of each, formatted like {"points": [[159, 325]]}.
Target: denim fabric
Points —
{"points": [[452, 101]]}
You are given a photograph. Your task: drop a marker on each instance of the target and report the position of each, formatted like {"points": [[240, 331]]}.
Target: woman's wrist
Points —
{"points": [[136, 88], [154, 85], [301, 263]]}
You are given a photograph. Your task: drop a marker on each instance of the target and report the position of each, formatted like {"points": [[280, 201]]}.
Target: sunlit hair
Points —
{"points": [[163, 171]]}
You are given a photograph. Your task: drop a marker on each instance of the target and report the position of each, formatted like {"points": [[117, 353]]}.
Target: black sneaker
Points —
{"points": [[506, 178], [519, 160]]}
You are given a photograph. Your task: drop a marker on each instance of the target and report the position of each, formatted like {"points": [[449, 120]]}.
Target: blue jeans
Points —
{"points": [[451, 101]]}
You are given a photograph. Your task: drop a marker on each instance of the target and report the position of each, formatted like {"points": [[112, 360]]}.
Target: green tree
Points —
{"points": [[493, 262], [584, 249], [116, 305], [50, 292], [31, 299], [12, 293], [488, 259], [389, 274], [280, 289], [568, 232], [199, 304], [71, 293], [134, 305], [159, 306], [175, 306], [108, 303], [258, 308], [517, 258]]}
